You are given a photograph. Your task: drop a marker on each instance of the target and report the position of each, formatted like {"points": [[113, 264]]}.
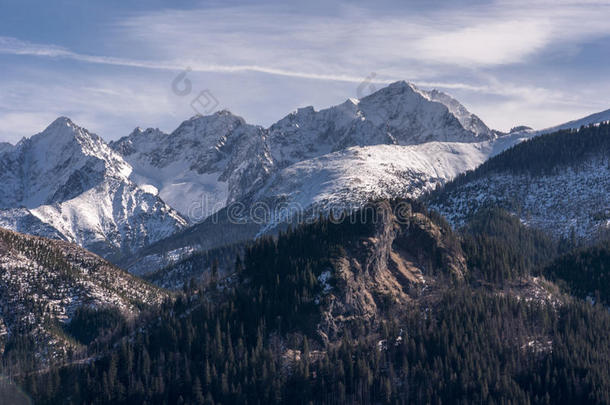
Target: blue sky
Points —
{"points": [[111, 65]]}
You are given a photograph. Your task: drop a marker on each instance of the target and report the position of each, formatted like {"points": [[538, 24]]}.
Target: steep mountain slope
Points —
{"points": [[204, 164], [55, 165], [43, 282], [336, 182], [66, 182], [558, 182], [399, 141], [392, 143], [348, 179]]}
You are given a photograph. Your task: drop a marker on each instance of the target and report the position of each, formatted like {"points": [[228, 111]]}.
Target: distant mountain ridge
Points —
{"points": [[218, 159], [120, 197], [204, 164]]}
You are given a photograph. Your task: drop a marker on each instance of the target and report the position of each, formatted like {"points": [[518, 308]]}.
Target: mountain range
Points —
{"points": [[117, 199]]}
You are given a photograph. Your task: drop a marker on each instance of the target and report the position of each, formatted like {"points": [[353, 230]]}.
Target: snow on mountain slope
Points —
{"points": [[200, 167], [596, 118], [336, 182], [113, 218], [558, 182], [211, 161], [468, 120], [572, 200], [66, 182], [59, 163], [347, 179], [399, 141], [22, 220], [43, 282]]}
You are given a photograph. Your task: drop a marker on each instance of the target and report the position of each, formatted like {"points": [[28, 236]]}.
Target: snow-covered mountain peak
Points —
{"points": [[71, 181], [64, 142], [398, 87], [401, 104], [139, 140], [58, 163], [207, 128], [62, 121], [399, 114], [207, 161], [61, 131]]}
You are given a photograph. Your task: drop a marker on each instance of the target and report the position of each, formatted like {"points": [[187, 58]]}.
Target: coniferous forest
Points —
{"points": [[251, 337]]}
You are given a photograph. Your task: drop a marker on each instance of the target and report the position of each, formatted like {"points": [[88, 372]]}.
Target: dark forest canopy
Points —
{"points": [[252, 340]]}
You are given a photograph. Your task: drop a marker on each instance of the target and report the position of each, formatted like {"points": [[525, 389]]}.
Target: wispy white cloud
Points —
{"points": [[345, 47], [261, 61], [498, 33], [14, 46]]}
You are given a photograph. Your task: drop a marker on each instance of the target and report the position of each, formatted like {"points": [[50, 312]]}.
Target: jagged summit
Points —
{"points": [[202, 165], [217, 116], [208, 126], [399, 114], [214, 159], [61, 121], [67, 182], [57, 163]]}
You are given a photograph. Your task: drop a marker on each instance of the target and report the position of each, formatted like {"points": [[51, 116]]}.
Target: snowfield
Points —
{"points": [[347, 179]]}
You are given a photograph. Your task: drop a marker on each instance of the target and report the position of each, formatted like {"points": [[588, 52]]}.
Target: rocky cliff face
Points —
{"points": [[406, 258]]}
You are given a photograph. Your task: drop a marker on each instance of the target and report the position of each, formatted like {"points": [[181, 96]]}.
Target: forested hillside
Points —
{"points": [[584, 273], [545, 153], [46, 286], [435, 330], [557, 182]]}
